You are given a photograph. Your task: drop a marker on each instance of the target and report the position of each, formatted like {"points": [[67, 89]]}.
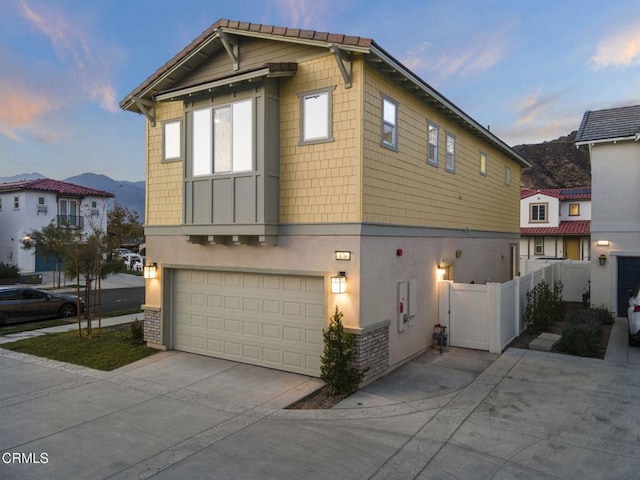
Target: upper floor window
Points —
{"points": [[315, 116], [0, 204], [16, 203], [223, 139], [507, 176], [574, 209], [432, 155], [389, 123], [450, 158], [484, 159], [538, 212], [172, 140]]}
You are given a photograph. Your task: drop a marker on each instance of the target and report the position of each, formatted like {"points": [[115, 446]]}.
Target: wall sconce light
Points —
{"points": [[339, 283], [602, 259], [602, 243], [27, 241], [151, 271]]}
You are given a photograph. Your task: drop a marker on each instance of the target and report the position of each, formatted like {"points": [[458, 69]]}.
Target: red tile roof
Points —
{"points": [[576, 193], [566, 228], [56, 186]]}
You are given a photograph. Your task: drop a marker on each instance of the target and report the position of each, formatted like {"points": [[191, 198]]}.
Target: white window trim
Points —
{"points": [[535, 245], [450, 157], [433, 161], [329, 114], [394, 132]]}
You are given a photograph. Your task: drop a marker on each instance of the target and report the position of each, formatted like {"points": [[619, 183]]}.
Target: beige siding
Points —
{"points": [[253, 53], [402, 188], [164, 180], [321, 183]]}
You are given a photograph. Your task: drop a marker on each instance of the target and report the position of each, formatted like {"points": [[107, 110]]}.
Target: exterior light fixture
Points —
{"points": [[151, 271], [339, 283], [602, 243], [602, 259]]}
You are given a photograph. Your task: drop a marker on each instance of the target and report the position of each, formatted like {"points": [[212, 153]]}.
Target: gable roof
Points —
{"points": [[576, 193], [215, 38], [565, 228], [621, 123], [55, 186]]}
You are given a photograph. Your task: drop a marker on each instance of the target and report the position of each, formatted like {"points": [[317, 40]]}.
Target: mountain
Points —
{"points": [[556, 164], [127, 194]]}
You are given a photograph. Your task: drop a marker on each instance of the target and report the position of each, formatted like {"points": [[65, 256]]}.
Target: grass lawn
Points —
{"points": [[108, 350]]}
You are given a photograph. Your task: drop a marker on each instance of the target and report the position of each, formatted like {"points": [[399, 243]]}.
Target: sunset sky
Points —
{"points": [[529, 69]]}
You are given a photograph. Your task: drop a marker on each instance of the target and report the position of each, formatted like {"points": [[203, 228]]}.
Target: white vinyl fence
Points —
{"points": [[488, 317]]}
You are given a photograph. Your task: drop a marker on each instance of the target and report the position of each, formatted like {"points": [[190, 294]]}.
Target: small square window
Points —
{"points": [[172, 144], [538, 212], [450, 158], [315, 116], [484, 159], [432, 155], [389, 123], [574, 209], [40, 200]]}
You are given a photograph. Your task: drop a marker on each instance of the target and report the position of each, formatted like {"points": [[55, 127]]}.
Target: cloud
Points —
{"points": [[76, 49], [21, 108], [621, 49], [302, 13], [479, 55]]}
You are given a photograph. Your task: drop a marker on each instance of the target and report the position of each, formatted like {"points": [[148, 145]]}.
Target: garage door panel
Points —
{"points": [[263, 319]]}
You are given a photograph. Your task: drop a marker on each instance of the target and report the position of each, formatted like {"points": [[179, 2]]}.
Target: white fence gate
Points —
{"points": [[488, 317]]}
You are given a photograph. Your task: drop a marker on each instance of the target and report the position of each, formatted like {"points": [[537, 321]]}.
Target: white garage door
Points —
{"points": [[274, 321]]}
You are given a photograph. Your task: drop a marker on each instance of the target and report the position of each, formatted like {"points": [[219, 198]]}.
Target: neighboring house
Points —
{"points": [[555, 223], [613, 138], [277, 158], [30, 205]]}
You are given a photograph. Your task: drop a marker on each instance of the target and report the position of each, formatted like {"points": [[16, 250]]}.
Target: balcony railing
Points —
{"points": [[72, 221]]}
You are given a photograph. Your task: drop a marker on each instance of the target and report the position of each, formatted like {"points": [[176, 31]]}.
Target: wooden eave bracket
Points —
{"points": [[230, 44], [147, 107], [344, 64]]}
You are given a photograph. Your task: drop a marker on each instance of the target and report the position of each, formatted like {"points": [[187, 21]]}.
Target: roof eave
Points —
{"points": [[633, 138], [385, 57]]}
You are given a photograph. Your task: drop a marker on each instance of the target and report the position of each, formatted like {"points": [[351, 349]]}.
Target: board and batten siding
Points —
{"points": [[401, 188], [164, 197]]}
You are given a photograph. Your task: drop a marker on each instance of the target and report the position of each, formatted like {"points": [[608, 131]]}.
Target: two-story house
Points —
{"points": [[292, 171], [613, 138], [555, 223], [29, 205]]}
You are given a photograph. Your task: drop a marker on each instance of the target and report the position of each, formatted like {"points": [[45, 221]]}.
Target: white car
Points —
{"points": [[633, 314]]}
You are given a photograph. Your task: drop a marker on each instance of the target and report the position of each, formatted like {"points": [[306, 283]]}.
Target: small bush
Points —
{"points": [[582, 336], [9, 271], [544, 305], [606, 317], [336, 371], [137, 332]]}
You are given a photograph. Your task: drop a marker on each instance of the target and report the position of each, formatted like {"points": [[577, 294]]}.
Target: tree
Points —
{"points": [[122, 224], [336, 371], [53, 242]]}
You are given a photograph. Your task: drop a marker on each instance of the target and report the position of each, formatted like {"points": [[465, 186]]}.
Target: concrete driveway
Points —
{"points": [[462, 415]]}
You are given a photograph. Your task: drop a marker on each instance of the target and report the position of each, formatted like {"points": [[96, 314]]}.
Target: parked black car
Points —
{"points": [[23, 304]]}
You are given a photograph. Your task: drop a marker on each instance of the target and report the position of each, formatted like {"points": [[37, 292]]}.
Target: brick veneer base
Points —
{"points": [[372, 352], [152, 326]]}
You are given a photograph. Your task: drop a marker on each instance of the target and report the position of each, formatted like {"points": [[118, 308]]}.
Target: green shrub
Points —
{"points": [[137, 332], [9, 271], [336, 370], [606, 317], [544, 305], [582, 336]]}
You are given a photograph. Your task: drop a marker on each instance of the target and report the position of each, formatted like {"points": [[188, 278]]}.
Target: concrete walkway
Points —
{"points": [[461, 415]]}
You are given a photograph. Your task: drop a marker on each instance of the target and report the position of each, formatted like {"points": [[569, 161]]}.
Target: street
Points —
{"points": [[120, 299]]}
